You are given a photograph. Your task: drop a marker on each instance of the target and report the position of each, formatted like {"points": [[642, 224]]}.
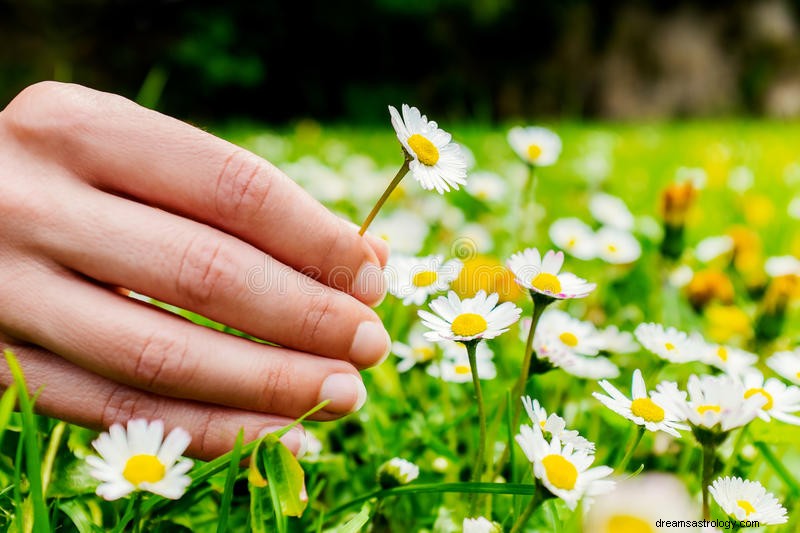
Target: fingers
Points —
{"points": [[137, 345], [120, 146], [81, 397], [190, 265]]}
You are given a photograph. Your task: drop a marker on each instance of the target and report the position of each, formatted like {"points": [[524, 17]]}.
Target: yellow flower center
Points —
{"points": [[703, 409], [722, 353], [534, 151], [546, 282], [647, 409], [611, 248], [462, 370], [797, 375], [561, 473], [747, 506], [625, 523], [569, 339], [423, 353], [572, 242], [468, 324], [669, 346], [426, 151], [425, 278], [143, 468], [770, 400]]}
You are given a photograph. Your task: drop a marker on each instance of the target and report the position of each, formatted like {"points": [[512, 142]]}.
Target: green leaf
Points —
{"points": [[72, 479], [7, 403], [230, 480], [355, 524], [286, 477], [80, 516]]}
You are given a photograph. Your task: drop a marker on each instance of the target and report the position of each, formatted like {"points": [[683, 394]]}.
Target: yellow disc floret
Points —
{"points": [[462, 369], [647, 409], [534, 152], [425, 150], [560, 472], [546, 282], [758, 390], [703, 409], [747, 506], [143, 468], [425, 278], [625, 523], [569, 339], [468, 325]]}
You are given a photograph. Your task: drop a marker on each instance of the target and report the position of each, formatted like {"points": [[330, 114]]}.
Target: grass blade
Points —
{"points": [[230, 480]]}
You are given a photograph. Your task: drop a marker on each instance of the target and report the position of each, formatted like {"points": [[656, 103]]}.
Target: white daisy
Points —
{"points": [[611, 210], [437, 162], [616, 341], [785, 265], [786, 364], [480, 525], [670, 344], [563, 470], [140, 459], [781, 399], [415, 278], [574, 237], [472, 239], [397, 471], [454, 367], [733, 361], [418, 350], [542, 275], [712, 247], [555, 425], [403, 230], [794, 208], [747, 500], [559, 330], [616, 246], [585, 367], [637, 503], [714, 401], [535, 145], [473, 318], [486, 186], [681, 276], [653, 411]]}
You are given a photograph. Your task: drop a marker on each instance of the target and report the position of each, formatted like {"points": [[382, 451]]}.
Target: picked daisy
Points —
{"points": [[555, 425], [541, 275], [536, 146], [786, 364], [415, 278], [748, 500], [781, 400], [418, 351], [140, 459], [652, 410], [563, 470], [434, 160], [574, 237], [670, 344], [469, 319]]}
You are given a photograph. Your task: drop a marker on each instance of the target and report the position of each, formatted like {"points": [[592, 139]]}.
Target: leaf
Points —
{"points": [[72, 480], [285, 476], [353, 525], [80, 516], [230, 480], [7, 403]]}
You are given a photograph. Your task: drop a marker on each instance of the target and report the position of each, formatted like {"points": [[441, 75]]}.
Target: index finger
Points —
{"points": [[127, 149]]}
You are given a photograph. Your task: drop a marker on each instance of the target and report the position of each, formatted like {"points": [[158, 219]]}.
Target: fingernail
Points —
{"points": [[370, 285], [295, 439], [371, 344], [346, 393]]}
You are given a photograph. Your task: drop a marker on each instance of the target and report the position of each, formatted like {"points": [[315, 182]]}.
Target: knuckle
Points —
{"points": [[243, 185], [124, 404], [159, 361], [315, 315], [206, 268]]}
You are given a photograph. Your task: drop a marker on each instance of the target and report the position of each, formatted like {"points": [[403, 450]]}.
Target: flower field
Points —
{"points": [[597, 331]]}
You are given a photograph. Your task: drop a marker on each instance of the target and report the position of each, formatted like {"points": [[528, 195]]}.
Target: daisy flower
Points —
{"points": [[436, 161], [670, 344], [637, 503], [564, 471], [712, 247], [486, 186], [415, 278], [784, 265], [470, 319], [616, 341], [541, 275], [480, 525], [733, 361], [616, 246], [611, 211], [454, 367], [714, 401], [555, 425], [747, 500], [781, 399], [574, 237], [536, 146], [403, 230], [652, 411], [140, 459], [418, 351], [559, 330], [396, 472], [786, 364]]}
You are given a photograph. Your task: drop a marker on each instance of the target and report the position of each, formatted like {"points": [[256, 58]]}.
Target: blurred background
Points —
{"points": [[484, 60]]}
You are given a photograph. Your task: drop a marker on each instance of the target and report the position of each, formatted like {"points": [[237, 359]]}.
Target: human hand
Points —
{"points": [[98, 193]]}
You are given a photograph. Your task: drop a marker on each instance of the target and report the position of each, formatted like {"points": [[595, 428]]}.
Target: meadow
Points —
{"points": [[742, 182]]}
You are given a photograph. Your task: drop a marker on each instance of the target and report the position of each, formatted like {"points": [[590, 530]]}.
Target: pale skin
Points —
{"points": [[98, 194]]}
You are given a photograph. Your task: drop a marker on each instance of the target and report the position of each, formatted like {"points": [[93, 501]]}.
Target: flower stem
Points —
{"points": [[385, 196], [631, 448], [534, 504], [709, 457], [477, 470], [137, 513]]}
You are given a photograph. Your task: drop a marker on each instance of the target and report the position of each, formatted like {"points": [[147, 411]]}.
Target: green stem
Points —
{"points": [[737, 449], [385, 196], [477, 470], [779, 468], [50, 455], [709, 457], [534, 504], [137, 513], [631, 448]]}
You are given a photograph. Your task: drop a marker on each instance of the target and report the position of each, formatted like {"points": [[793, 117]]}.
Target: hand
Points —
{"points": [[97, 194]]}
